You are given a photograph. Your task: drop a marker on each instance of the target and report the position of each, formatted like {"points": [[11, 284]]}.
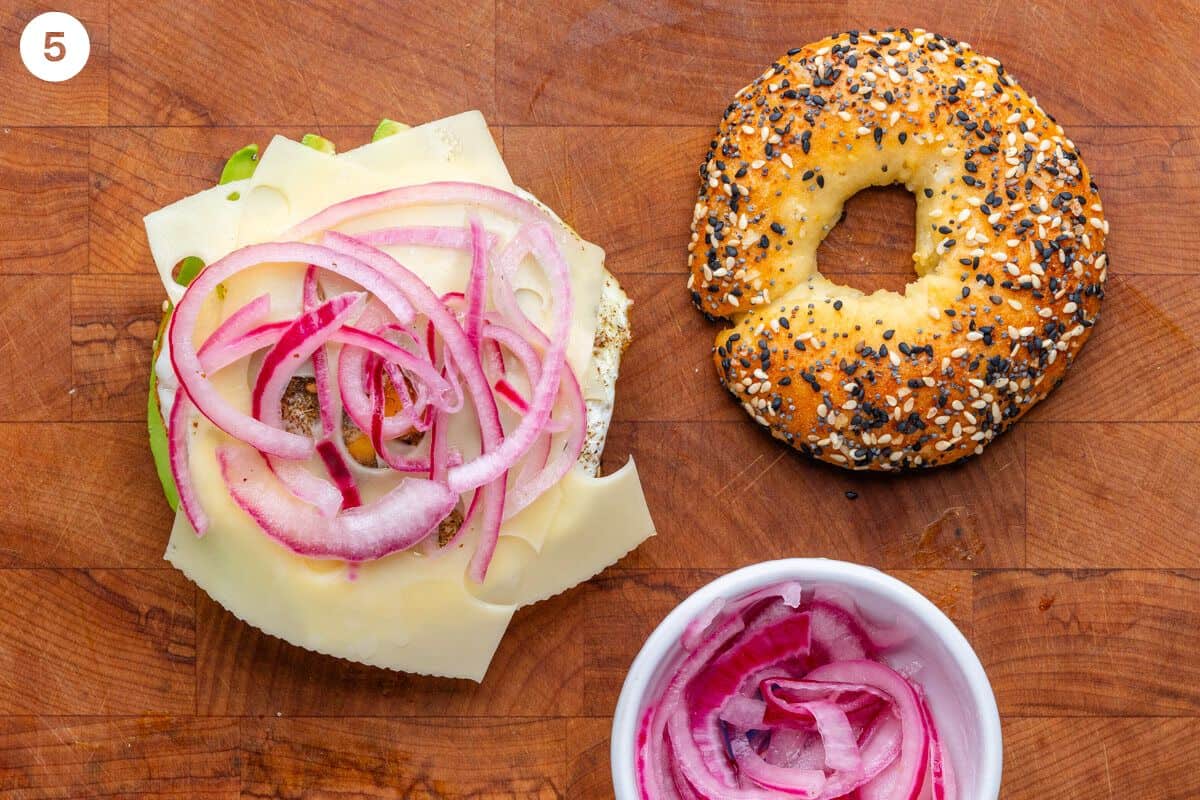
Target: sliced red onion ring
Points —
{"points": [[339, 471], [378, 442], [328, 446], [476, 294], [181, 470], [747, 714], [185, 359], [714, 638], [396, 521], [221, 354], [491, 464], [427, 194], [450, 238], [799, 783], [236, 325], [300, 341], [297, 343], [395, 354], [320, 359], [695, 730], [506, 392], [743, 712], [466, 361], [901, 780], [459, 346]]}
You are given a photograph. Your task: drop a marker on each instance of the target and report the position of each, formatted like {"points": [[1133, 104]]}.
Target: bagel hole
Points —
{"points": [[872, 245]]}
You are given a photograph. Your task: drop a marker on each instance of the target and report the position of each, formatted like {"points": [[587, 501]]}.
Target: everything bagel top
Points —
{"points": [[1009, 250]]}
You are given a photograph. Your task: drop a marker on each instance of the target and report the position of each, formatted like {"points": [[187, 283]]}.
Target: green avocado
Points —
{"points": [[240, 165], [189, 268], [388, 127], [318, 143], [158, 426]]}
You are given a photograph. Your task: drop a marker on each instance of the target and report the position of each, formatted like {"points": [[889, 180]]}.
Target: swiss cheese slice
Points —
{"points": [[407, 611]]}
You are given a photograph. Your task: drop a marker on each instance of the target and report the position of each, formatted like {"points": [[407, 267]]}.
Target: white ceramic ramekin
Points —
{"points": [[960, 696]]}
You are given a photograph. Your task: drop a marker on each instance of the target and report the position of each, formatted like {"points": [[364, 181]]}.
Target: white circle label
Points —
{"points": [[55, 46]]}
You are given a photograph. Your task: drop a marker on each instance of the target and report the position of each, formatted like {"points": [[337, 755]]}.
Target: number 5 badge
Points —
{"points": [[55, 46]]}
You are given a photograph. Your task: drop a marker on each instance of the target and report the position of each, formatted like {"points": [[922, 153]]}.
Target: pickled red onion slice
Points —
{"points": [[762, 705], [463, 342], [396, 521]]}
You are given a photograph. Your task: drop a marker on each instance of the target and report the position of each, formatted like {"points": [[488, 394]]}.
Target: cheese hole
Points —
{"points": [[531, 302], [872, 246]]}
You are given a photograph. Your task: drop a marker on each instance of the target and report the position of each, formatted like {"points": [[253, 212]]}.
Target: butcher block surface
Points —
{"points": [[1068, 553]]}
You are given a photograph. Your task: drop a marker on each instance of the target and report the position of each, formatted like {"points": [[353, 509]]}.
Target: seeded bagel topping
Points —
{"points": [[1010, 262]]}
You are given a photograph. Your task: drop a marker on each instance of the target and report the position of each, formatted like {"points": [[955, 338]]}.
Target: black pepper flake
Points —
{"points": [[837, 305]]}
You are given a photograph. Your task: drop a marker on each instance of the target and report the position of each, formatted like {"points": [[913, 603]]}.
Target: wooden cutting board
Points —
{"points": [[1069, 553]]}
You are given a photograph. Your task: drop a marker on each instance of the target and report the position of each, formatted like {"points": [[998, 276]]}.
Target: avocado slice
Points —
{"points": [[189, 268], [318, 143], [157, 426], [241, 165], [386, 128]]}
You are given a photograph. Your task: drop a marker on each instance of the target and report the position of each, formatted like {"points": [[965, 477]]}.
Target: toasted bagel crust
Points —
{"points": [[1009, 250]]}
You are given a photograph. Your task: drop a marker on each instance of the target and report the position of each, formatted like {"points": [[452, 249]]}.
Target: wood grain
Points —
{"points": [[54, 758], [43, 189], [114, 321], [67, 515], [422, 758], [589, 770], [1099, 759], [1069, 553], [35, 348], [97, 642], [723, 482], [1119, 643], [677, 62], [265, 63], [1124, 476]]}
